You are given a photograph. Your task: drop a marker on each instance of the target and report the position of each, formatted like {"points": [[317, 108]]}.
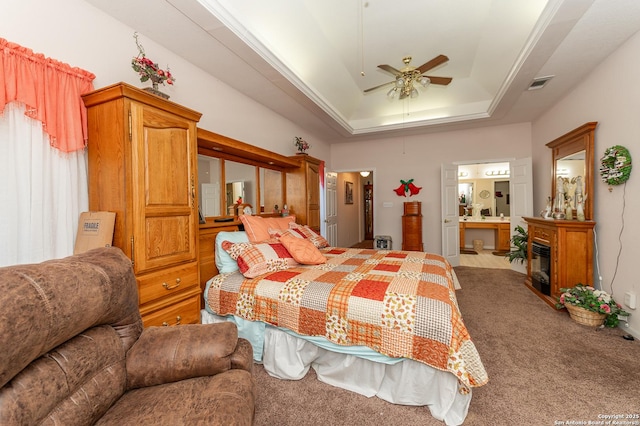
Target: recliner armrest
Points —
{"points": [[169, 354]]}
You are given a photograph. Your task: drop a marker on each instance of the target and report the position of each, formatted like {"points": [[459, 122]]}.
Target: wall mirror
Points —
{"points": [[271, 194], [209, 181], [487, 186], [572, 166], [229, 170], [240, 185]]}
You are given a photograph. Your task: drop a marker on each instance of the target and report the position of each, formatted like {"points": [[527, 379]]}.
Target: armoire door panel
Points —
{"points": [[167, 181]]}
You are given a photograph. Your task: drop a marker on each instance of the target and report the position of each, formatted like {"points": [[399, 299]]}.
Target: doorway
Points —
{"points": [[517, 172], [503, 198], [353, 215]]}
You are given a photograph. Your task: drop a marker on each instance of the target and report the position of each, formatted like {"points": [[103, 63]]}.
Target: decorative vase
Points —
{"points": [[584, 316], [154, 89], [301, 153]]}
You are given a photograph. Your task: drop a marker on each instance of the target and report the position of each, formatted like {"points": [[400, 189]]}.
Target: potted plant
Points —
{"points": [[519, 242], [589, 306]]}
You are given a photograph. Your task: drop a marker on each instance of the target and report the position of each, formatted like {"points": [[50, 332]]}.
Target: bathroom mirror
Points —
{"points": [[572, 156]]}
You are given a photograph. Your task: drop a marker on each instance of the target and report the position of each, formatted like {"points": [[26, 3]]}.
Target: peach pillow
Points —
{"points": [[257, 227], [302, 250]]}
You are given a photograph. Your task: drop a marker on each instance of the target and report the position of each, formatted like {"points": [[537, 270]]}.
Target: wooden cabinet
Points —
{"points": [[207, 244], [569, 244], [412, 226], [501, 229], [303, 192], [368, 212], [142, 166]]}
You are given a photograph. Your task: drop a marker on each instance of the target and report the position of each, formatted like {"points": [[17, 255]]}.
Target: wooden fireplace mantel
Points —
{"points": [[571, 244]]}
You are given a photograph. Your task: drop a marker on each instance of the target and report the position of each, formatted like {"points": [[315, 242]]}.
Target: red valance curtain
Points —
{"points": [[50, 90]]}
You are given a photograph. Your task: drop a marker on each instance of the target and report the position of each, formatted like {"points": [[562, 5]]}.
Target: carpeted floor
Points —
{"points": [[543, 369]]}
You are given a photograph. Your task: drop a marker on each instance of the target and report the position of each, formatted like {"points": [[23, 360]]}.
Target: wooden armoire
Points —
{"points": [[142, 166], [303, 191]]}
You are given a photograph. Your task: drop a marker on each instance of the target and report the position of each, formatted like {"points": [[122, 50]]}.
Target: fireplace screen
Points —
{"points": [[540, 268]]}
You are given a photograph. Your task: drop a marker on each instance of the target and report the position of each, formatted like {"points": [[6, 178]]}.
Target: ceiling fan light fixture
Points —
{"points": [[408, 77]]}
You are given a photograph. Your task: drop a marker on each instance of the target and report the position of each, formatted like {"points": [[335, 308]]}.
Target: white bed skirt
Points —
{"points": [[406, 382]]}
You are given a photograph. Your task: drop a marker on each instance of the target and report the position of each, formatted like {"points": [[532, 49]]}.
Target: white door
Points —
{"points": [[521, 194], [210, 196], [449, 204], [331, 208]]}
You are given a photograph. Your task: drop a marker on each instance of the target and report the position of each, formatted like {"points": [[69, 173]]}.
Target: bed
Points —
{"points": [[378, 322]]}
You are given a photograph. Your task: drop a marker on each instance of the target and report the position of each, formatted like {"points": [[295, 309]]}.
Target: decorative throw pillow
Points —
{"points": [[224, 262], [259, 258], [276, 234], [257, 227], [308, 233], [302, 250]]}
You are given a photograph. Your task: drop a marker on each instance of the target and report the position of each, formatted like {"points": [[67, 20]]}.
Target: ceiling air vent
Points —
{"points": [[539, 83]]}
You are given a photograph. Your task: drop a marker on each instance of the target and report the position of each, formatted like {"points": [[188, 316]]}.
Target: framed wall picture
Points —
{"points": [[348, 192]]}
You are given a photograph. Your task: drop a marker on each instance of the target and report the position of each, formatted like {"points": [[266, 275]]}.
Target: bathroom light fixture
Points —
{"points": [[364, 174], [497, 173], [463, 174]]}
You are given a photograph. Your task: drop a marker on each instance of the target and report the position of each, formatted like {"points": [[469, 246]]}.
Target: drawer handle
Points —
{"points": [[168, 287], [178, 319]]}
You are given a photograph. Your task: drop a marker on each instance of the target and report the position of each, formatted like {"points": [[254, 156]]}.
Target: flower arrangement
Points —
{"points": [[149, 70], [301, 144], [593, 300]]}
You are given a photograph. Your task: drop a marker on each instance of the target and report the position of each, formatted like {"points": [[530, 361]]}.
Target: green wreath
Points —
{"points": [[615, 166]]}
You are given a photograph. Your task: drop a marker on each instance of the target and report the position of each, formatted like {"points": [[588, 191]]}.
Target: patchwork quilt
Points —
{"points": [[398, 303]]}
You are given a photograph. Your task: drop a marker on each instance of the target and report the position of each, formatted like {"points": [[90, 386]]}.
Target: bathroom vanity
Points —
{"points": [[500, 226]]}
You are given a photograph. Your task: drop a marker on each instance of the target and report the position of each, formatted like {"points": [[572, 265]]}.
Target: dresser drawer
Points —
{"points": [[186, 311], [167, 282]]}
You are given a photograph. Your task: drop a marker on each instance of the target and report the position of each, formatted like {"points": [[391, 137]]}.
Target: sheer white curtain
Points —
{"points": [[44, 190]]}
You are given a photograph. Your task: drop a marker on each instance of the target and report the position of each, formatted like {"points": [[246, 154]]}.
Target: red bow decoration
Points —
{"points": [[407, 186]]}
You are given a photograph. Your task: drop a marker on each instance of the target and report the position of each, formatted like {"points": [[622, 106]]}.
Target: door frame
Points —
{"points": [[361, 207], [510, 160]]}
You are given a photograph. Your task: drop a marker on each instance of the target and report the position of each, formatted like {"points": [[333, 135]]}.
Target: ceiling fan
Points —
{"points": [[407, 76]]}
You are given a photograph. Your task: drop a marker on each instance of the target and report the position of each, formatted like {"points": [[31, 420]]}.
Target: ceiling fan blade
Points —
{"points": [[439, 80], [438, 60], [377, 87], [390, 69]]}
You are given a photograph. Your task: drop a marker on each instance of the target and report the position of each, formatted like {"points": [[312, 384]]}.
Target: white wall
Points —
{"points": [[611, 96], [75, 32], [419, 158]]}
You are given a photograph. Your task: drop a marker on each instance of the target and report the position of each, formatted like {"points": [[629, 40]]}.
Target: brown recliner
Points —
{"points": [[73, 352]]}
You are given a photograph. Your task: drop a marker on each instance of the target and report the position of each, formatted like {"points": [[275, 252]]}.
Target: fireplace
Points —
{"points": [[541, 268]]}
